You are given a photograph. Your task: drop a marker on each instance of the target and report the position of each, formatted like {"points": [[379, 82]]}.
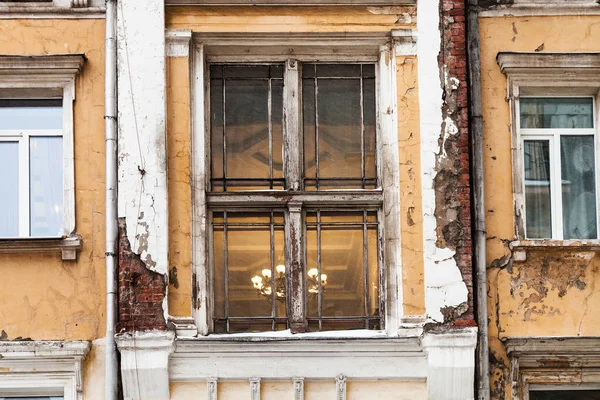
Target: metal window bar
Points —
{"points": [[363, 181], [226, 224], [370, 321], [225, 182]]}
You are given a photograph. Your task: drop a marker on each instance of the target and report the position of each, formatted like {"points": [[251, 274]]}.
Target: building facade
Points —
{"points": [[539, 84], [294, 200]]}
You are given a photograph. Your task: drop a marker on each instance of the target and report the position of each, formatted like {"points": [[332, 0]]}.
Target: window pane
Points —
{"points": [[46, 186], [249, 271], [9, 182], [563, 112], [342, 270], [246, 127], [578, 187], [339, 126], [538, 209], [565, 395], [31, 114]]}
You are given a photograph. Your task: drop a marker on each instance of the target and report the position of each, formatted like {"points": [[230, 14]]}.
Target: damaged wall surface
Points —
{"points": [[541, 292]]}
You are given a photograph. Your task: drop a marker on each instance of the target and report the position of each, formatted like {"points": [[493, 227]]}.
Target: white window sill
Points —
{"points": [[521, 247], [68, 247]]}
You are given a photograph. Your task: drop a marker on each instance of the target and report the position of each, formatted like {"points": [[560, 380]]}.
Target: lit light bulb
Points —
{"points": [[280, 269], [323, 278], [257, 281], [266, 273], [313, 272]]}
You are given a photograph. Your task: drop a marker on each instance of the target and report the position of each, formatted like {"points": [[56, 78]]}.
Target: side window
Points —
{"points": [[287, 249], [31, 158], [559, 158]]}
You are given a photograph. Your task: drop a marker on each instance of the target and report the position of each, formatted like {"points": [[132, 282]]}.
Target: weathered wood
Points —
{"points": [[291, 134], [294, 268], [356, 198]]}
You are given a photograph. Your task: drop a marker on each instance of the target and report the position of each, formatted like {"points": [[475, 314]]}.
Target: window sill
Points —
{"points": [[521, 247], [68, 246]]}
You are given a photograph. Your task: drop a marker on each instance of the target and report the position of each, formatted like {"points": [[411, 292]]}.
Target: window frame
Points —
{"points": [[546, 75], [224, 48], [553, 136], [47, 76]]}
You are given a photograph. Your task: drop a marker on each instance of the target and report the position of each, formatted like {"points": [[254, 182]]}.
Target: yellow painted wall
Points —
{"points": [[297, 19], [552, 293], [42, 296], [380, 390]]}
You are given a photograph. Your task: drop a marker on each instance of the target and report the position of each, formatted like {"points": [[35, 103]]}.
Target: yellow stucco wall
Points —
{"points": [[313, 390], [298, 19], [552, 293], [44, 297]]}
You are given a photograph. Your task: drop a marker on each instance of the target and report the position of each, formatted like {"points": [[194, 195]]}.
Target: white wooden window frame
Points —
{"points": [[553, 137], [359, 47], [44, 76], [546, 75]]}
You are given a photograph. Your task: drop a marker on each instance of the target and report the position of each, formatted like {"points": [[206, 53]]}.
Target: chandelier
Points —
{"points": [[265, 283]]}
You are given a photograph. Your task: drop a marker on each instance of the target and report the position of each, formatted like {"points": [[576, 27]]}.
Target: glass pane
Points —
{"points": [[578, 187], [342, 257], [246, 127], [562, 112], [339, 126], [46, 186], [538, 211], [9, 181], [31, 114], [565, 395], [249, 272]]}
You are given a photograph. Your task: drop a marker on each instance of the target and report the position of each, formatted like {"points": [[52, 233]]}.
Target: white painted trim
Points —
{"points": [[178, 42], [145, 364], [289, 2], [405, 41], [254, 388], [212, 388], [340, 387], [392, 359], [43, 368], [48, 74], [298, 388]]}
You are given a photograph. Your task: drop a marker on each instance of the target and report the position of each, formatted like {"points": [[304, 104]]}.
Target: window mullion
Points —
{"points": [[24, 207], [292, 148], [294, 250], [556, 187]]}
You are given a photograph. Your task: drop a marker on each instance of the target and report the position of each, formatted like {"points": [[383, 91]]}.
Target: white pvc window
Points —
{"points": [[559, 145], [31, 161]]}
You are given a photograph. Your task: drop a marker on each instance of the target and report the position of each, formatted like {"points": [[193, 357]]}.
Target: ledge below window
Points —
{"points": [[521, 247], [68, 247]]}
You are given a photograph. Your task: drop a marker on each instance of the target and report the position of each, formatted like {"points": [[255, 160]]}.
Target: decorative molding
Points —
{"points": [[298, 388], [340, 387], [68, 247], [533, 8], [145, 364], [212, 389], [288, 2], [79, 3], [197, 359], [178, 43], [451, 363], [532, 64], [534, 361], [520, 248], [184, 326], [254, 388], [52, 365], [405, 42], [58, 65], [63, 9]]}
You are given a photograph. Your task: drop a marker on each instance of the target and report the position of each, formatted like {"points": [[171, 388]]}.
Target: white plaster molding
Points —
{"points": [[405, 42], [53, 367], [143, 195], [68, 247], [212, 389], [49, 75], [197, 359], [444, 285], [298, 388], [533, 8], [340, 387], [254, 388], [64, 9], [79, 3], [145, 364], [451, 364], [178, 42], [289, 2]]}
